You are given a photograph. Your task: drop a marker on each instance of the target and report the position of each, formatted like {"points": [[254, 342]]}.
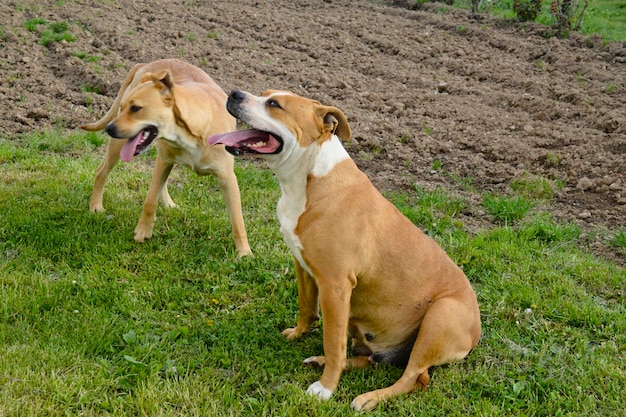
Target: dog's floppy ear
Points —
{"points": [[336, 122], [162, 79]]}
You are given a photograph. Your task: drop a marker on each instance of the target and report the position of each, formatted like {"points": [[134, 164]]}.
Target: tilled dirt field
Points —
{"points": [[435, 97]]}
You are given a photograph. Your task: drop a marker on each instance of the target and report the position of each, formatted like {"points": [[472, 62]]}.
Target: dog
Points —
{"points": [[180, 105], [377, 278]]}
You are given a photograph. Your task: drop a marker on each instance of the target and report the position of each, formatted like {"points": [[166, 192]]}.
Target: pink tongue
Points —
{"points": [[230, 139], [128, 151]]}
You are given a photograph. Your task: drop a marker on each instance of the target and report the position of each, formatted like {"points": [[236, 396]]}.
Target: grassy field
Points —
{"points": [[606, 18], [93, 324]]}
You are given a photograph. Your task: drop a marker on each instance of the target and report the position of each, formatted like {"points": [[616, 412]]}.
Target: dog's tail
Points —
{"points": [[101, 124]]}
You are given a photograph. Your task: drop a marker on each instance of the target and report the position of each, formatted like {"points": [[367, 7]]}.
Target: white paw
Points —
{"points": [[318, 390]]}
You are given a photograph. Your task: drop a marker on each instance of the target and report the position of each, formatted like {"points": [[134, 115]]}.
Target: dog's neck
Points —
{"points": [[293, 172], [294, 165]]}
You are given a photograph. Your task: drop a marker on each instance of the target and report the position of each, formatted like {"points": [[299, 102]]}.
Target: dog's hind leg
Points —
{"points": [[111, 158], [449, 330], [162, 170]]}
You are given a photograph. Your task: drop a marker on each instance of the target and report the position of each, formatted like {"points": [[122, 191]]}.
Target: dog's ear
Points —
{"points": [[336, 122], [164, 79]]}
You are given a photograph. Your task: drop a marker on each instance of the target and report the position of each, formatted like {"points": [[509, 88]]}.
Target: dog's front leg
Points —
{"points": [[144, 228], [111, 158], [335, 305], [308, 303]]}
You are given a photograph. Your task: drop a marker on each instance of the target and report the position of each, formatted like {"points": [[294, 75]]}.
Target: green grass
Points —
{"points": [[607, 18], [604, 17], [92, 323]]}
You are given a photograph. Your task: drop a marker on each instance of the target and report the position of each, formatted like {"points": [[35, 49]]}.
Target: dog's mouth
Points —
{"points": [[138, 143], [248, 141]]}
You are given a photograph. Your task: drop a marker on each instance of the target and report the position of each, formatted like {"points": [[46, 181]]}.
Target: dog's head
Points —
{"points": [[146, 112], [280, 121]]}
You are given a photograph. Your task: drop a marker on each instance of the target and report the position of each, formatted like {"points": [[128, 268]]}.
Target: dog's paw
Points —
{"points": [[317, 390], [317, 361], [365, 402], [292, 333], [142, 235]]}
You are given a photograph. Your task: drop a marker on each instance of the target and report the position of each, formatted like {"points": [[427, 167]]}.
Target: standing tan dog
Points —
{"points": [[376, 276], [180, 105]]}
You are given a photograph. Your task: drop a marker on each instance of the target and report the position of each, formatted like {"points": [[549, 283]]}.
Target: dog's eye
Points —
{"points": [[273, 103], [134, 109]]}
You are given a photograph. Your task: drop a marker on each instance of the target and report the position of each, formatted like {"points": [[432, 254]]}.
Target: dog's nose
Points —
{"points": [[237, 96], [111, 129]]}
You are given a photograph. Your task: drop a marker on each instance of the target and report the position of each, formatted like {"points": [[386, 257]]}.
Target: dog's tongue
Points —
{"points": [[128, 150], [233, 138]]}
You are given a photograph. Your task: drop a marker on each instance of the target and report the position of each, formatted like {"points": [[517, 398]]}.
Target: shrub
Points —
{"points": [[527, 10]]}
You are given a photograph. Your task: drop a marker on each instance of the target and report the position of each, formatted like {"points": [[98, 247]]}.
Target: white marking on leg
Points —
{"points": [[318, 390]]}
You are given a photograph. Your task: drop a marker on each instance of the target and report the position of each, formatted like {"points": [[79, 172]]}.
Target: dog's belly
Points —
{"points": [[386, 346]]}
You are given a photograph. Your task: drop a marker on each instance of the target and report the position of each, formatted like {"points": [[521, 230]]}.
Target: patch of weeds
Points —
{"points": [[506, 210], [86, 88], [192, 37], [86, 57], [553, 160], [404, 139], [213, 35], [466, 182], [534, 187], [56, 32], [427, 130], [432, 210], [437, 164], [462, 29], [32, 24], [619, 240], [540, 64], [609, 88]]}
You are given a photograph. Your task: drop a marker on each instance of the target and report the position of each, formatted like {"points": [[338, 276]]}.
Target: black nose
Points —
{"points": [[237, 96], [111, 129]]}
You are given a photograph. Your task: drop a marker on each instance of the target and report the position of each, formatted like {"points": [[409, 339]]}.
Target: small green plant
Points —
{"points": [[437, 164], [466, 182], [32, 24], [540, 64], [213, 35], [86, 57], [619, 240], [192, 37], [86, 88], [56, 32], [609, 89], [462, 29], [553, 160], [534, 187], [506, 210]]}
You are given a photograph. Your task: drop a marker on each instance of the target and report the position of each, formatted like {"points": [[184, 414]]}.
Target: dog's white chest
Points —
{"points": [[290, 208], [293, 182]]}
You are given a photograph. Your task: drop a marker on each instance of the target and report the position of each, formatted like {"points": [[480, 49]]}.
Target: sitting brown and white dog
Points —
{"points": [[376, 276], [180, 105]]}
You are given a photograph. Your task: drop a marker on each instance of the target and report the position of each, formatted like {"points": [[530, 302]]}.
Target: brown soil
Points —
{"points": [[435, 97]]}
